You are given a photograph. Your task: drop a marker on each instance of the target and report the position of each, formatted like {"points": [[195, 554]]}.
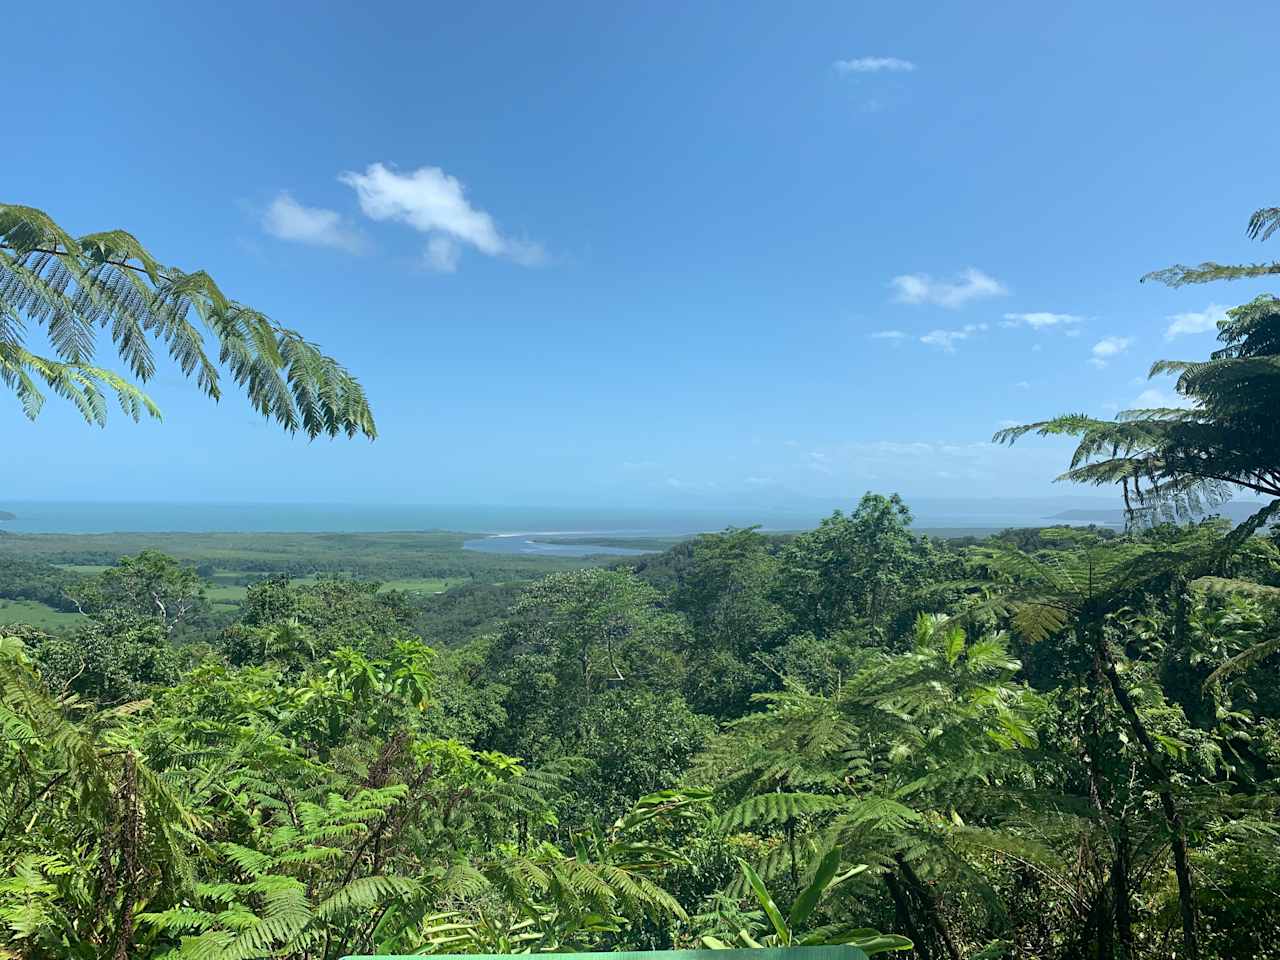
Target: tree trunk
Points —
{"points": [[905, 921], [1172, 816], [1100, 930], [1120, 891], [933, 910]]}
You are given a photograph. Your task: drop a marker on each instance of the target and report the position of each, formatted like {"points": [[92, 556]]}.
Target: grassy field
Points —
{"points": [[227, 596], [423, 585], [36, 614]]}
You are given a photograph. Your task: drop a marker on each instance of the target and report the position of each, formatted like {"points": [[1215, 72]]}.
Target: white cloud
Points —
{"points": [[972, 284], [760, 481], [287, 219], [1203, 322], [1109, 347], [1040, 319], [1023, 385], [431, 201], [947, 339], [887, 335], [874, 65], [1154, 397]]}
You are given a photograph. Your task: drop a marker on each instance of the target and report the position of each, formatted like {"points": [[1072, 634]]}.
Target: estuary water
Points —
{"points": [[528, 544]]}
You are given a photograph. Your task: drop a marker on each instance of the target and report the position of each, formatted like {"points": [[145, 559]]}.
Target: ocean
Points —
{"points": [[138, 517]]}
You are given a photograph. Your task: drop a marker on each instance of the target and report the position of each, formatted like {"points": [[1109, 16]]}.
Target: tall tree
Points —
{"points": [[854, 568], [150, 586], [1076, 589], [73, 287]]}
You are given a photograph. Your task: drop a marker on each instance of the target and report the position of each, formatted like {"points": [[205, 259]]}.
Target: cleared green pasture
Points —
{"points": [[36, 614]]}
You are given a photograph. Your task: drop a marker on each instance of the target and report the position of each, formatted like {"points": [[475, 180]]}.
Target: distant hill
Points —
{"points": [[1235, 511]]}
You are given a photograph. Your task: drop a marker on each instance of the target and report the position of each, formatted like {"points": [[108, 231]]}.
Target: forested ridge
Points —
{"points": [[1051, 743]]}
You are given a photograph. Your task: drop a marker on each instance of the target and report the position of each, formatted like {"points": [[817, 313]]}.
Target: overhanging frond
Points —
{"points": [[77, 288]]}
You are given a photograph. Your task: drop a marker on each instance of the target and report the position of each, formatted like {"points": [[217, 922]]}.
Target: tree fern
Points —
{"points": [[1172, 463]]}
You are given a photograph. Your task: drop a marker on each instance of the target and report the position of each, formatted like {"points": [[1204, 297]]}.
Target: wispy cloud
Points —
{"points": [[1154, 397], [434, 203], [288, 219], [1023, 385], [1203, 322], [947, 339], [1109, 347], [819, 462], [1041, 319], [971, 284], [835, 467], [897, 335], [676, 483], [874, 65]]}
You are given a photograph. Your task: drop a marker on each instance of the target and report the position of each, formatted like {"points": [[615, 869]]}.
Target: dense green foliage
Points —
{"points": [[310, 779], [22, 579]]}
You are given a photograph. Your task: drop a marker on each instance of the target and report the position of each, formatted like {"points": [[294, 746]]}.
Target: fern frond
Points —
{"points": [[73, 288]]}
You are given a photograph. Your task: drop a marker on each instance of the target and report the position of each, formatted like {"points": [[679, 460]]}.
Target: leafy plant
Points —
{"points": [[789, 930]]}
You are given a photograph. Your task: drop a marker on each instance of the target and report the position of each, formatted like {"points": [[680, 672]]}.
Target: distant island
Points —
{"points": [[6, 515], [1235, 511]]}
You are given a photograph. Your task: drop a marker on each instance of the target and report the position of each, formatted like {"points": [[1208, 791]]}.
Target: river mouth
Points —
{"points": [[545, 545]]}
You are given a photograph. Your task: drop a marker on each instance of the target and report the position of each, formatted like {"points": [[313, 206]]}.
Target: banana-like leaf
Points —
{"points": [[766, 903], [804, 906]]}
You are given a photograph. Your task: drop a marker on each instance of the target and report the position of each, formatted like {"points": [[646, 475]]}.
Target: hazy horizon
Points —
{"points": [[33, 516]]}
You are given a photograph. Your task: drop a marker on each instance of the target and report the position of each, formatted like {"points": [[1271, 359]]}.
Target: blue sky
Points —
{"points": [[651, 254]]}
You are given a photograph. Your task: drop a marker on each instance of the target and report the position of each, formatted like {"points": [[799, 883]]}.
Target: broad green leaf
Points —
{"points": [[809, 897]]}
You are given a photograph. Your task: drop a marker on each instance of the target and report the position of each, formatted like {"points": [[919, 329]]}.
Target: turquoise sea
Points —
{"points": [[533, 530], [114, 517]]}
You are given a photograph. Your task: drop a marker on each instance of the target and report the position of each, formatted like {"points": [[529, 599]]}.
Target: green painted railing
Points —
{"points": [[834, 952]]}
